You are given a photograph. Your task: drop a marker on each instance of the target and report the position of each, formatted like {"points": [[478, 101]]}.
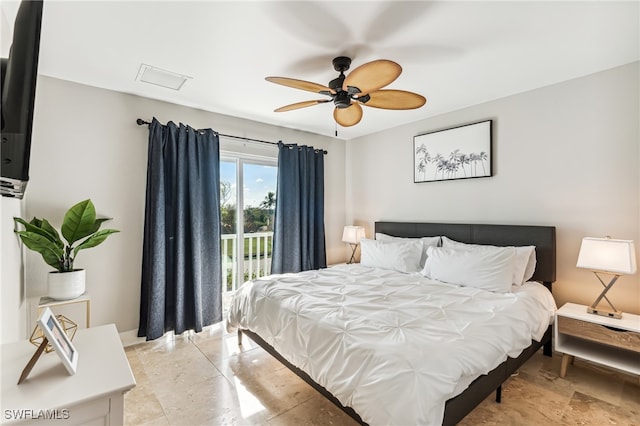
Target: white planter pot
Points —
{"points": [[66, 285]]}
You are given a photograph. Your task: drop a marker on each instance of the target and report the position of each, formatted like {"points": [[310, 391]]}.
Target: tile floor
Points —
{"points": [[206, 379]]}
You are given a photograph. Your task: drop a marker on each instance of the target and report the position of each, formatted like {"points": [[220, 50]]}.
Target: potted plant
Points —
{"points": [[80, 230]]}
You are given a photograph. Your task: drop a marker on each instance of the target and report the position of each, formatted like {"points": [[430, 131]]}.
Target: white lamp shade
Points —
{"points": [[353, 234], [608, 255]]}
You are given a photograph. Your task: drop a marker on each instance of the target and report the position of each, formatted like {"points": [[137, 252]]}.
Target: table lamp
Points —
{"points": [[607, 256], [353, 235]]}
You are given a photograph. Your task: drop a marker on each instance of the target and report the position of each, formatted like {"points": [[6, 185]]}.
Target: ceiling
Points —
{"points": [[456, 54]]}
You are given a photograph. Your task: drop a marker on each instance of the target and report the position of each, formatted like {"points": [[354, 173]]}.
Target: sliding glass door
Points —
{"points": [[247, 196]]}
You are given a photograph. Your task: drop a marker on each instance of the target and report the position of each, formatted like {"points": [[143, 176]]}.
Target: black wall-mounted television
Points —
{"points": [[19, 75]]}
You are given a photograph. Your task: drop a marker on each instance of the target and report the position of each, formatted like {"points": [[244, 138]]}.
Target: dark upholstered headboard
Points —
{"points": [[543, 237]]}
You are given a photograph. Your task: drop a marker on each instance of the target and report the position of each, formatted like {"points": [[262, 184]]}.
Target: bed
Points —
{"points": [[364, 336]]}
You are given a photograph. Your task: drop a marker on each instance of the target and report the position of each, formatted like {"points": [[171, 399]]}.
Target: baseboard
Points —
{"points": [[130, 337]]}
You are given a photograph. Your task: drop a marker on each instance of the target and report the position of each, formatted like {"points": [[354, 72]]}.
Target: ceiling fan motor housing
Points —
{"points": [[342, 99]]}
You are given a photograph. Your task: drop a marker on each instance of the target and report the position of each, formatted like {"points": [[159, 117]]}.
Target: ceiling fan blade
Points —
{"points": [[371, 76], [395, 99], [299, 105], [300, 84], [349, 116]]}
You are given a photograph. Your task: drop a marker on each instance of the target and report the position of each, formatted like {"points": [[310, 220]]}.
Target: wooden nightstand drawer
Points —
{"points": [[618, 338]]}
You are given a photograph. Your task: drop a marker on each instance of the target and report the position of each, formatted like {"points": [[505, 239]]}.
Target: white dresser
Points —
{"points": [[92, 396]]}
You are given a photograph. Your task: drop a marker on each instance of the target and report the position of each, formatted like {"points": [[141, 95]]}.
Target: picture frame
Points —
{"points": [[61, 343], [461, 152]]}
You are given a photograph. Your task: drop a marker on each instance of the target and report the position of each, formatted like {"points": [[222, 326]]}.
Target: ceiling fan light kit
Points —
{"points": [[361, 87]]}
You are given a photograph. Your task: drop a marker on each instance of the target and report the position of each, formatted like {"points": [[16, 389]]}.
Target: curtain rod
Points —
{"points": [[142, 122]]}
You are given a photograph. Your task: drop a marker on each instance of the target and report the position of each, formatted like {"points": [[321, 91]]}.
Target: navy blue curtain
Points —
{"points": [[181, 269], [298, 235]]}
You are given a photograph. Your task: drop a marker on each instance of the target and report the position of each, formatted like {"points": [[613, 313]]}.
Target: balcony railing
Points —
{"points": [[256, 259]]}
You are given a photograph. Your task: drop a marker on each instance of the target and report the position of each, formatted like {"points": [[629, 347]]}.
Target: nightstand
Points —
{"points": [[607, 341]]}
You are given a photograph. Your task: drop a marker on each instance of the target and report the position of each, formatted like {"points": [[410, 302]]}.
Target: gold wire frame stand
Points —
{"points": [[68, 326]]}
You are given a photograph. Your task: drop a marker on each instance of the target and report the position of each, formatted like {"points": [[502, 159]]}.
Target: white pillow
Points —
{"points": [[524, 265], [527, 254], [490, 270], [427, 241], [401, 255]]}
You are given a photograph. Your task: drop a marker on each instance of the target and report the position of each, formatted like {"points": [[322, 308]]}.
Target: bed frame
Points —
{"points": [[543, 237]]}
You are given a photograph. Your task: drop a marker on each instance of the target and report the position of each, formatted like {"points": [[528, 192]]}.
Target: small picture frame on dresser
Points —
{"points": [[61, 343]]}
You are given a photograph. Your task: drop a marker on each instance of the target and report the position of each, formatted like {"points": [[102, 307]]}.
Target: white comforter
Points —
{"points": [[394, 347]]}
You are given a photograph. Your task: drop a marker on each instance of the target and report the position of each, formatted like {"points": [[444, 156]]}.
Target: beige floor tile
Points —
{"points": [[209, 332], [220, 347], [141, 406], [549, 379], [185, 370], [164, 345], [129, 349], [206, 379], [594, 380], [214, 401], [158, 421], [316, 411], [584, 409], [539, 362], [277, 392], [523, 403], [630, 399], [256, 361]]}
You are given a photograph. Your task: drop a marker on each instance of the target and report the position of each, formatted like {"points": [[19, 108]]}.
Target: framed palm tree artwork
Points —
{"points": [[460, 152]]}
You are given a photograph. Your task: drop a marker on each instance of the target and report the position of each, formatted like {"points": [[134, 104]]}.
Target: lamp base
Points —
{"points": [[352, 259], [605, 312], [609, 313]]}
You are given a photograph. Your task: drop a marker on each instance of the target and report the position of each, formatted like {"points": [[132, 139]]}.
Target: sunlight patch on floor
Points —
{"points": [[249, 404]]}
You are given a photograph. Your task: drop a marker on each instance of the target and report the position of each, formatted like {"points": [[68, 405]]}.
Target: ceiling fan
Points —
{"points": [[361, 87]]}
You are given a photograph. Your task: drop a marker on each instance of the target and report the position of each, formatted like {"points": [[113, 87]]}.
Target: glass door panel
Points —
{"points": [[247, 196], [259, 199], [229, 219]]}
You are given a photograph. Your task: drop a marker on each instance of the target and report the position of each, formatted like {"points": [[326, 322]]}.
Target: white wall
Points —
{"points": [[13, 309], [86, 144], [565, 155]]}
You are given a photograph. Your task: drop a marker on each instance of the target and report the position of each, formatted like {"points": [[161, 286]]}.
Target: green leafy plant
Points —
{"points": [[80, 230]]}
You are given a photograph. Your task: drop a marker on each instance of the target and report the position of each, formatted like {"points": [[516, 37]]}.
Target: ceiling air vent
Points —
{"points": [[160, 77]]}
